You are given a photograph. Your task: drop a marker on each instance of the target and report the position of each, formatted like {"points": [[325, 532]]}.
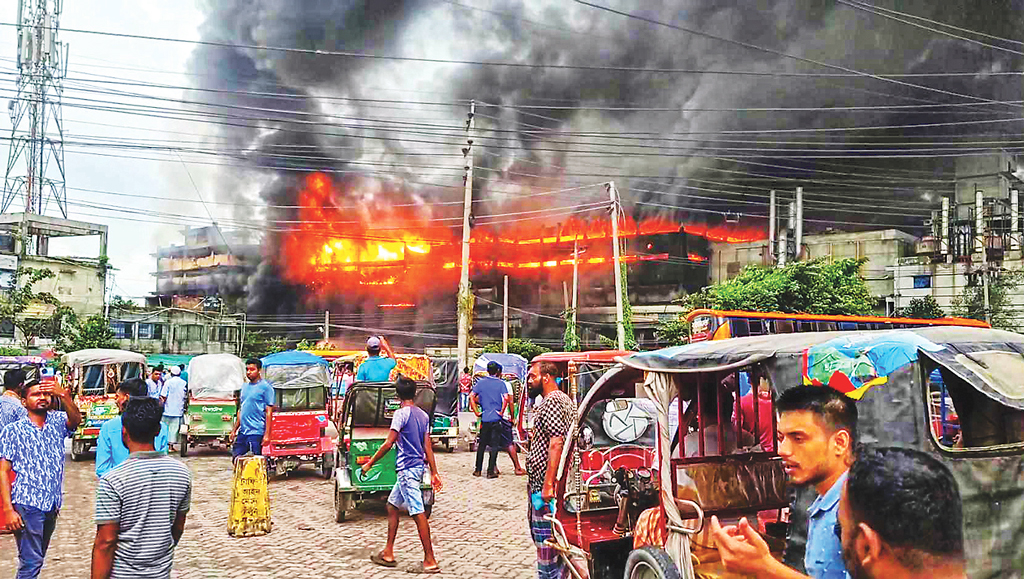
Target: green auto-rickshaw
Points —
{"points": [[365, 423], [214, 380]]}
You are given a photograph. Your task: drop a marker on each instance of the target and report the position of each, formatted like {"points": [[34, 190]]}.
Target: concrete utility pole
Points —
{"points": [[982, 245], [464, 306], [327, 326], [504, 322], [42, 66], [575, 278], [799, 223], [620, 323], [771, 225]]}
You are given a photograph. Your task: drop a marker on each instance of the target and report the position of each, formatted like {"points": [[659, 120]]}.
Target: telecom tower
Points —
{"points": [[37, 133]]}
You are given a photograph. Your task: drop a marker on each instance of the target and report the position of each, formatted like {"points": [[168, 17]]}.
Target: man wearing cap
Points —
{"points": [[172, 396], [375, 368]]}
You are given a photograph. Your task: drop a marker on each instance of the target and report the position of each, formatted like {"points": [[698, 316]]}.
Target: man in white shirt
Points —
{"points": [[173, 396]]}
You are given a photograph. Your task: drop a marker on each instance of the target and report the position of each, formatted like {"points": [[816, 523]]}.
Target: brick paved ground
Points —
{"points": [[478, 525]]}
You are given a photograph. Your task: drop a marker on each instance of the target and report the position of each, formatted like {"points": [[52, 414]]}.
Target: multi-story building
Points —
{"points": [[177, 331], [211, 267]]}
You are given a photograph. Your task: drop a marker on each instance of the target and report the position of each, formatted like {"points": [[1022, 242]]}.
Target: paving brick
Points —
{"points": [[478, 528]]}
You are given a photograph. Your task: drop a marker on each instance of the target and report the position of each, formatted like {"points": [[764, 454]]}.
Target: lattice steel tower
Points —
{"points": [[37, 132]]}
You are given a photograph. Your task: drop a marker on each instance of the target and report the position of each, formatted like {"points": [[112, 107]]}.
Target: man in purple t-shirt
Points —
{"points": [[410, 429]]}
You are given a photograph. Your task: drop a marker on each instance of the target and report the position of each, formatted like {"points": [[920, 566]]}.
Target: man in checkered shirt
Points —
{"points": [[551, 423]]}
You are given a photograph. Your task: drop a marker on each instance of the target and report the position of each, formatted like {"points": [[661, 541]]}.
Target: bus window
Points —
{"points": [[847, 326], [756, 327], [739, 326], [805, 327], [864, 326], [826, 326], [784, 327]]}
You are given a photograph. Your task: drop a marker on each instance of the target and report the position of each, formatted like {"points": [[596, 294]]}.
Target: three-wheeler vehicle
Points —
{"points": [[513, 370], [300, 431], [365, 423], [214, 383], [445, 427], [31, 365], [415, 366], [630, 509], [92, 376]]}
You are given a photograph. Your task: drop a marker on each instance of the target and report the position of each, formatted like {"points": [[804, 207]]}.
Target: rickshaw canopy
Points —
{"points": [[101, 356], [296, 369], [215, 375], [510, 364]]}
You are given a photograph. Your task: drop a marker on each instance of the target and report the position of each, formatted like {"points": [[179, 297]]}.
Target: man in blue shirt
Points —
{"points": [[173, 397], [155, 382], [33, 448], [255, 406], [11, 408], [110, 448], [817, 433], [491, 396], [375, 368]]}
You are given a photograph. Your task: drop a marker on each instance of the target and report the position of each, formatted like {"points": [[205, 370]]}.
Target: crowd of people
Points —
{"points": [[880, 512]]}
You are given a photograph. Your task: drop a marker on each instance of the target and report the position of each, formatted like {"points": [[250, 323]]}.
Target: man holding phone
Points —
{"points": [[33, 447]]}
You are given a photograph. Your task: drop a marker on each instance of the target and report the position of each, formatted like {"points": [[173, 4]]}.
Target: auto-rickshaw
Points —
{"points": [[365, 422], [609, 475], [415, 366], [214, 381], [513, 371], [300, 431], [92, 376], [445, 426], [31, 365]]}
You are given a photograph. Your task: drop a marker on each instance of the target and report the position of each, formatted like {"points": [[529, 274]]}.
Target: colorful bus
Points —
{"points": [[722, 324]]}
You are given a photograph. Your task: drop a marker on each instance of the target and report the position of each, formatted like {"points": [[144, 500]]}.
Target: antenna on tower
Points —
{"points": [[37, 122]]}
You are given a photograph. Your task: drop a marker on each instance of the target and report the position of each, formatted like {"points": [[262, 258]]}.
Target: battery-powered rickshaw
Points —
{"points": [[513, 371], [214, 381], [366, 421], [627, 509], [92, 376], [445, 426], [31, 365], [299, 431], [415, 366]]}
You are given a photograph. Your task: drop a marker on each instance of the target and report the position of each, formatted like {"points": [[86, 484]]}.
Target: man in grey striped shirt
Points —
{"points": [[141, 504]]}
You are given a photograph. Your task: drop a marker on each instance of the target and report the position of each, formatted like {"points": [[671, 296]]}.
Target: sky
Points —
{"points": [[131, 243]]}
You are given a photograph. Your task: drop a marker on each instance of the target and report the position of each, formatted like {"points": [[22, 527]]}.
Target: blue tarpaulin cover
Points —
{"points": [[293, 358]]}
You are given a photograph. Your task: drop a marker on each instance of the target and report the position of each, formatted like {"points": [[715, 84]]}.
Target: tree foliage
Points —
{"points": [[258, 344], [970, 303], [16, 301], [803, 287], [925, 308], [93, 332], [123, 304], [524, 348]]}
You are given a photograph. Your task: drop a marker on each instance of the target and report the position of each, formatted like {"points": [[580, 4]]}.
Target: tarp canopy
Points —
{"points": [[100, 356], [446, 382], [510, 364], [293, 358], [215, 375], [154, 360]]}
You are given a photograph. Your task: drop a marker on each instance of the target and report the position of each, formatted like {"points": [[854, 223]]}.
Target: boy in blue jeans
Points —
{"points": [[410, 428]]}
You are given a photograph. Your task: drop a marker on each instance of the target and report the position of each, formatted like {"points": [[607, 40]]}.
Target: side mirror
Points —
{"points": [[586, 439]]}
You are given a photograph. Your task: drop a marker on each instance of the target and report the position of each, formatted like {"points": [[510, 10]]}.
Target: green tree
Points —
{"points": [[674, 332], [258, 344], [925, 308], [570, 339], [970, 303], [811, 287], [93, 332], [15, 302], [123, 304], [524, 348]]}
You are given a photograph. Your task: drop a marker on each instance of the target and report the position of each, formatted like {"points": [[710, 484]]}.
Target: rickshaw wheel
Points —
{"points": [[327, 465], [183, 442], [449, 445], [650, 563], [77, 450], [343, 503]]}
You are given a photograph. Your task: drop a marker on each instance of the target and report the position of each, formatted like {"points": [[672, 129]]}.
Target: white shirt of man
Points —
{"points": [[173, 391], [144, 495]]}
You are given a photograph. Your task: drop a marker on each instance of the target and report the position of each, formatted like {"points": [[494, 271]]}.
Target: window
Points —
{"points": [[922, 281], [64, 291], [805, 327], [784, 327], [227, 334], [192, 333], [740, 327], [6, 329], [122, 330], [151, 331], [962, 417]]}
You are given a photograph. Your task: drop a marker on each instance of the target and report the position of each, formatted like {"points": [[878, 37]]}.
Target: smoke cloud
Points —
{"points": [[365, 122]]}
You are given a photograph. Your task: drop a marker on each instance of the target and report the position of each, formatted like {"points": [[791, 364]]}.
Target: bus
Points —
{"points": [[722, 324]]}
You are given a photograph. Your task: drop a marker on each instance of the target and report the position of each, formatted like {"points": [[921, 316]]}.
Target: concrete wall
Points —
{"points": [[882, 248], [77, 284]]}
